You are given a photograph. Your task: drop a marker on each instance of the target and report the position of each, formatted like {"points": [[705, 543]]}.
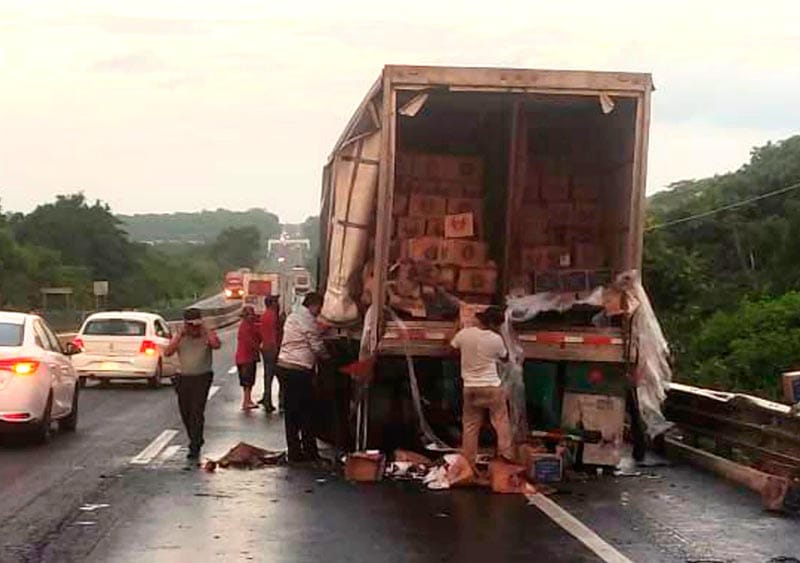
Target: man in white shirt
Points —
{"points": [[481, 348], [301, 347]]}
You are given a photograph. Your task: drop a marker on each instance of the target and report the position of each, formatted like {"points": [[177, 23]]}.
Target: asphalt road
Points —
{"points": [[80, 498]]}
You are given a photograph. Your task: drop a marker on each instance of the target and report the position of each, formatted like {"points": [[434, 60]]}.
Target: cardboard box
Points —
{"points": [[410, 227], [585, 188], [399, 205], [457, 205], [589, 255], [545, 468], [542, 258], [464, 253], [435, 227], [450, 189], [573, 282], [364, 467], [554, 187], [421, 205], [472, 190], [466, 314], [602, 413], [561, 214], [545, 282], [404, 164], [534, 225], [587, 215], [477, 280], [448, 277], [791, 387], [402, 184], [425, 248], [449, 168], [461, 225], [429, 187], [470, 170]]}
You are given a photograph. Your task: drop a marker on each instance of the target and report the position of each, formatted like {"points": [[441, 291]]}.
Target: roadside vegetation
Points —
{"points": [[72, 242], [726, 283]]}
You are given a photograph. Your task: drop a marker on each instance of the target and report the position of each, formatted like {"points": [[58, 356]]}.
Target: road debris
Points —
{"points": [[246, 456]]}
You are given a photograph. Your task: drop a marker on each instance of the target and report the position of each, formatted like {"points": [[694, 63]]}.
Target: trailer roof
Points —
{"points": [[517, 79], [416, 77]]}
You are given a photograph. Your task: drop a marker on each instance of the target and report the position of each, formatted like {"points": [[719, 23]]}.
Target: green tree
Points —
{"points": [[237, 247]]}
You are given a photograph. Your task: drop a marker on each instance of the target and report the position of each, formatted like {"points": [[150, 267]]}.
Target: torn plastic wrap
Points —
{"points": [[652, 355], [354, 183], [511, 376], [432, 442]]}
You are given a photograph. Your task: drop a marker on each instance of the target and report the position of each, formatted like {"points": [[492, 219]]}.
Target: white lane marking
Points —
{"points": [[577, 529], [153, 448], [168, 453], [212, 391], [232, 371]]}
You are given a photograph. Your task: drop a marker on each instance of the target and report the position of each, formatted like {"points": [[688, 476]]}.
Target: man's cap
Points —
{"points": [[492, 316], [192, 314]]}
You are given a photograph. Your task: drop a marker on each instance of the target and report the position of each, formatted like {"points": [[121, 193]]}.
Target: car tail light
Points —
{"points": [[78, 342], [14, 416], [148, 348], [19, 366]]}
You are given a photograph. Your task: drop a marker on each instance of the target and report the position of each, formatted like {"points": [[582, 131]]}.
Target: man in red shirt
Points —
{"points": [[248, 344], [270, 329]]}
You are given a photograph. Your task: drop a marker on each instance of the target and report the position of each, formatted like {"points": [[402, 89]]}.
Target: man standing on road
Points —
{"points": [[193, 344], [270, 328], [302, 346], [481, 348]]}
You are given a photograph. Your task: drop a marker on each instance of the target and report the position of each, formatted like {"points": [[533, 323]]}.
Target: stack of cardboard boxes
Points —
{"points": [[438, 209], [561, 231]]}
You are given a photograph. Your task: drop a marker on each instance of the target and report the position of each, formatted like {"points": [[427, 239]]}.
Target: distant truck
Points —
{"points": [[258, 286], [233, 285], [477, 184], [294, 285]]}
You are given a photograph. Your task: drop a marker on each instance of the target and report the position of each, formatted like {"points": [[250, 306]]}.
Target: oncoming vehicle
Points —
{"points": [[37, 381], [233, 286], [124, 345]]}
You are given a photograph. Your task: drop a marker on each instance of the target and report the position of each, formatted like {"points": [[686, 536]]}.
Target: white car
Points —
{"points": [[124, 345], [37, 381]]}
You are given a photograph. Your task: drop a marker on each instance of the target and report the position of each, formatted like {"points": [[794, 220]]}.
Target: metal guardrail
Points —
{"points": [[755, 442], [217, 312]]}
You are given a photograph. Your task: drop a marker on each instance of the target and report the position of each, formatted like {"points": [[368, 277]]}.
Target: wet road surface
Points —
{"points": [[80, 498]]}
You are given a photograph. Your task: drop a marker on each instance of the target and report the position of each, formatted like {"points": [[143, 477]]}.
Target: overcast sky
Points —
{"points": [[167, 105]]}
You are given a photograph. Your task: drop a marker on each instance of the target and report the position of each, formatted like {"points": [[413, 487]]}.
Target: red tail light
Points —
{"points": [[78, 342], [14, 416], [20, 366], [148, 348]]}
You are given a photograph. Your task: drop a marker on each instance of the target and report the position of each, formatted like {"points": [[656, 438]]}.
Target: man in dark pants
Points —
{"points": [[300, 349], [193, 344], [270, 328]]}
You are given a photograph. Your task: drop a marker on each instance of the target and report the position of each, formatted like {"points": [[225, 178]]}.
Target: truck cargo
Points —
{"points": [[503, 183]]}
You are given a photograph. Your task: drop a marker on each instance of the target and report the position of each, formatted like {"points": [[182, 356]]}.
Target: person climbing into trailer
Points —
{"points": [[481, 347], [300, 350]]}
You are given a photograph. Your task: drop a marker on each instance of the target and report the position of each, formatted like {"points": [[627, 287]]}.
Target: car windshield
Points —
{"points": [[10, 334], [114, 327]]}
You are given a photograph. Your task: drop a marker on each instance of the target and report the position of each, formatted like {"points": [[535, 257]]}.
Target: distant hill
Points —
{"points": [[198, 228]]}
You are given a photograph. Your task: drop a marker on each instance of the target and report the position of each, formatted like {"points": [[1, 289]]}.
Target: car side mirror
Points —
{"points": [[70, 349]]}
